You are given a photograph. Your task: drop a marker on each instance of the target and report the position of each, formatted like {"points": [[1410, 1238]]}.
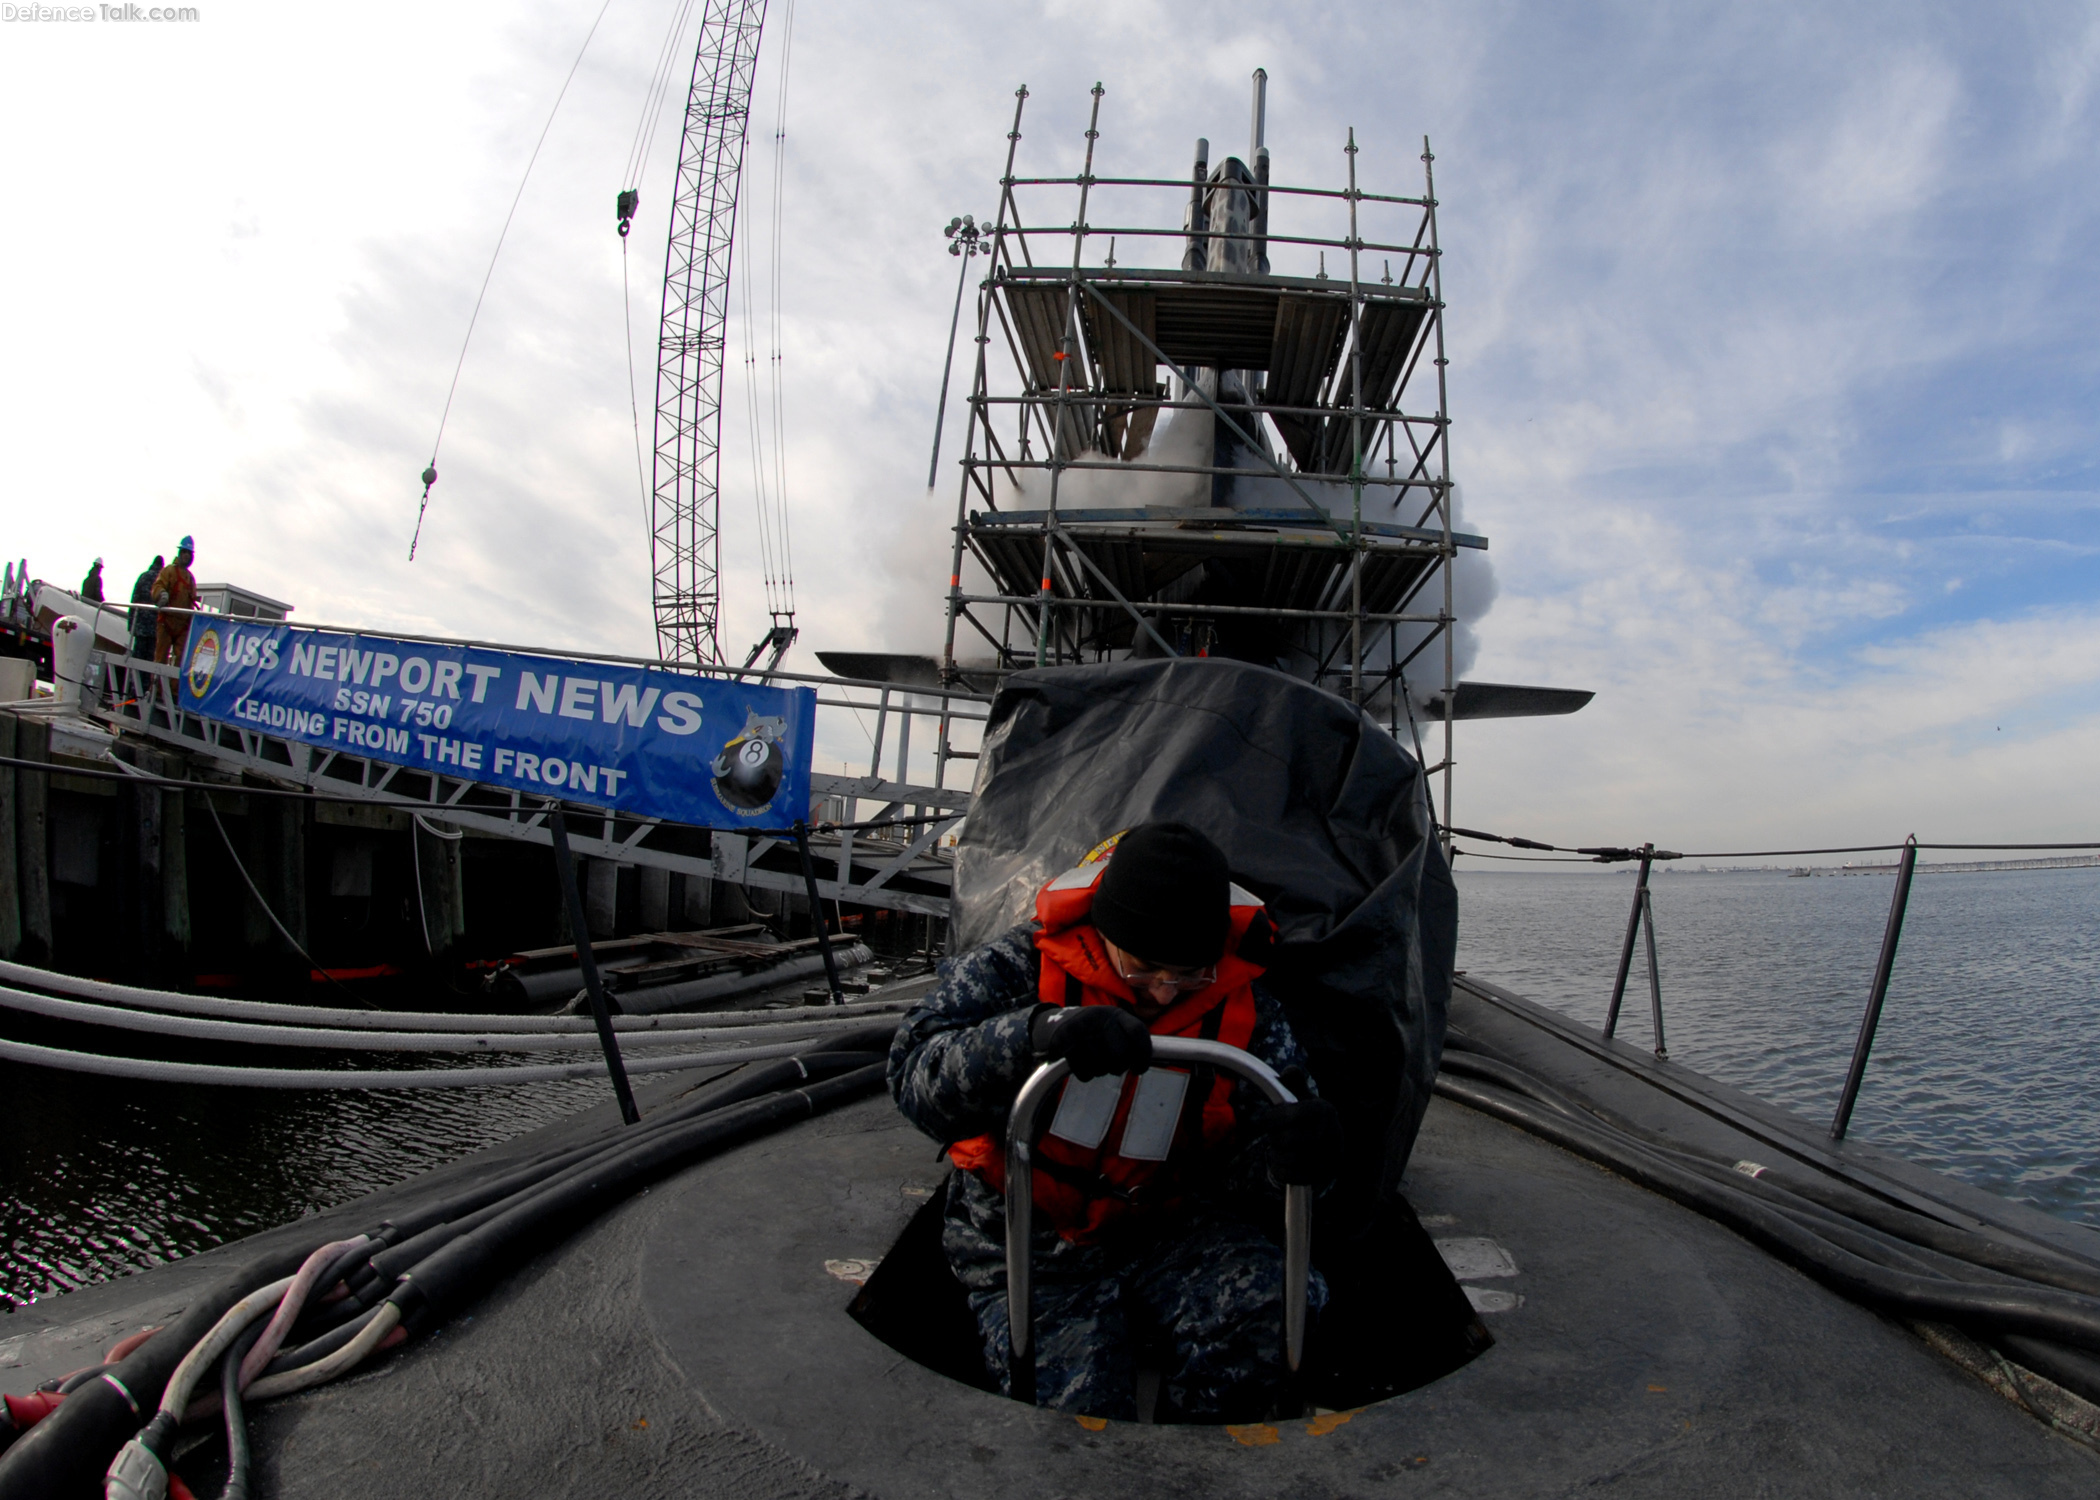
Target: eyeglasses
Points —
{"points": [[1143, 977]]}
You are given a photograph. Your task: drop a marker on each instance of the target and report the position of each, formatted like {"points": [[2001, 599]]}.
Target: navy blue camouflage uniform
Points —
{"points": [[1207, 1275]]}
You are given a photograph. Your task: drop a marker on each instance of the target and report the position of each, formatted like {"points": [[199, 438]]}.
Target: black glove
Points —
{"points": [[1094, 1039], [1304, 1140]]}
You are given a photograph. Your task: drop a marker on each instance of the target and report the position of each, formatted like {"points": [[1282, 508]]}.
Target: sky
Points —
{"points": [[1772, 368]]}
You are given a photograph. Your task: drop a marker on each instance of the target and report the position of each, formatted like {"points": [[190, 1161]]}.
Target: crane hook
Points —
{"points": [[430, 477]]}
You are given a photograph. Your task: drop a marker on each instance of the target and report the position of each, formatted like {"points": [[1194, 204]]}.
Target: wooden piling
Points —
{"points": [[175, 867], [729, 906], [286, 886], [601, 898], [455, 863], [147, 885], [564, 929], [655, 899], [251, 842], [10, 886], [699, 902], [33, 841], [441, 876]]}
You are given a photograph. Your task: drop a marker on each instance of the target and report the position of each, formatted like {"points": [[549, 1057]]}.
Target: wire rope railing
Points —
{"points": [[1640, 921]]}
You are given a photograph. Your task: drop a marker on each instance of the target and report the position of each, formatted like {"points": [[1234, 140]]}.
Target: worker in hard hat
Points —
{"points": [[143, 620], [175, 588], [1163, 1198], [91, 586]]}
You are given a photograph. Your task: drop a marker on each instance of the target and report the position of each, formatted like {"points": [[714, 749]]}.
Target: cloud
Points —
{"points": [[1767, 327]]}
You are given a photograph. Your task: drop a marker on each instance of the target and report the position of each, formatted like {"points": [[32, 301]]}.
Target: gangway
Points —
{"points": [[902, 864]]}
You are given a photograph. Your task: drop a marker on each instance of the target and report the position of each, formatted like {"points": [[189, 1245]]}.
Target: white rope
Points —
{"points": [[320, 1078]]}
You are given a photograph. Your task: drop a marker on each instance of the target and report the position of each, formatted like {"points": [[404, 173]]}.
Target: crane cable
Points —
{"points": [[785, 550], [762, 413], [629, 201], [754, 431], [634, 405], [765, 416], [429, 475], [667, 55]]}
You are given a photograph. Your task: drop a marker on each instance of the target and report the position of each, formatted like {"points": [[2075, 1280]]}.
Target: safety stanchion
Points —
{"points": [[594, 987]]}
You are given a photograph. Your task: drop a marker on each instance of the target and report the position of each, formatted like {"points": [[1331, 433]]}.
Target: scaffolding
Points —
{"points": [[1212, 457]]}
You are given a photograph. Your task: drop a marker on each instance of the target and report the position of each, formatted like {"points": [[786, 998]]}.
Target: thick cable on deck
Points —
{"points": [[257, 1034], [147, 1070], [705, 1023]]}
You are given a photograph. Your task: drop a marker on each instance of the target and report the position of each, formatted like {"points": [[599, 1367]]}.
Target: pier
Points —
{"points": [[389, 867]]}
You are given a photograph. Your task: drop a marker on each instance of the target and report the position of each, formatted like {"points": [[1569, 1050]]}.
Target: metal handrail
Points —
{"points": [[560, 653], [1020, 1197]]}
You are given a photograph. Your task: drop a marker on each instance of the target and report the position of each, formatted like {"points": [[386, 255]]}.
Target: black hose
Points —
{"points": [[367, 1283], [2040, 1311], [1969, 1260], [2029, 1261], [751, 1079], [747, 1081], [855, 1049], [424, 1228], [236, 1418], [1471, 1064], [1883, 1250], [2073, 1369], [73, 1383], [317, 1316], [320, 1347], [452, 1276], [375, 1280], [1476, 1064], [65, 1456], [1851, 1218]]}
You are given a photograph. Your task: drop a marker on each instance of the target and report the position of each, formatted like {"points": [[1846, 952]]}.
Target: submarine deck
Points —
{"points": [[693, 1342]]}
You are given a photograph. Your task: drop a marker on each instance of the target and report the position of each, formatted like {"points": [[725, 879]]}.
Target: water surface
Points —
{"points": [[101, 1176], [1987, 1062]]}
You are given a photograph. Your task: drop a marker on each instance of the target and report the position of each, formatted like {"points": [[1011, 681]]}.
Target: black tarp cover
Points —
{"points": [[1321, 814]]}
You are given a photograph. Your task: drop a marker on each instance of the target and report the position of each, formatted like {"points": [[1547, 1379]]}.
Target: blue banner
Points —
{"points": [[647, 742]]}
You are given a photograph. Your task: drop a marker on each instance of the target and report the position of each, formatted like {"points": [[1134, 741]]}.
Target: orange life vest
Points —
{"points": [[1121, 1144]]}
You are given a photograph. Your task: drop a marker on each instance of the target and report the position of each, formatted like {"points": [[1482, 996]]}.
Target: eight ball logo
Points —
{"points": [[750, 768]]}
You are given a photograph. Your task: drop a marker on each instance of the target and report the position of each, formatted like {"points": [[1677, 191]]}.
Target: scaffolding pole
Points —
{"points": [[1073, 584]]}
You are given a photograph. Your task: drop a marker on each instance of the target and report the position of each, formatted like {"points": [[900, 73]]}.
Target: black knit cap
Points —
{"points": [[1166, 896]]}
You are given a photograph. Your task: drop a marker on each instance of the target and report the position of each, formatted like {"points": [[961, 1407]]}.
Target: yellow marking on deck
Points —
{"points": [[1092, 1424], [1254, 1434], [1326, 1422]]}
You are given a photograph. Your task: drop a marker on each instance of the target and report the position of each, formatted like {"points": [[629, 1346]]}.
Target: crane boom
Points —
{"points": [[684, 512]]}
